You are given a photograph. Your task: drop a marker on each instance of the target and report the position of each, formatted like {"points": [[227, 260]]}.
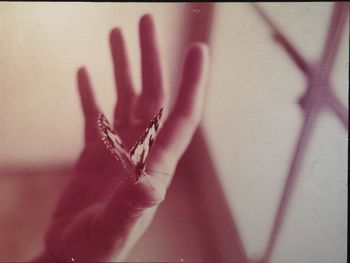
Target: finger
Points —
{"points": [[88, 104], [182, 122], [125, 91], [152, 95], [117, 218]]}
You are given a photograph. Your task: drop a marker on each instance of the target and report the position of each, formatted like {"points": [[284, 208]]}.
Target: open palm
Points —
{"points": [[100, 215]]}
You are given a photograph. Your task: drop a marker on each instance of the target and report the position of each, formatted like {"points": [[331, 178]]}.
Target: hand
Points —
{"points": [[100, 215]]}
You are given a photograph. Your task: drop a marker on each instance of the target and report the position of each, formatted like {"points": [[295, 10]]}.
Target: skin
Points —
{"points": [[101, 215]]}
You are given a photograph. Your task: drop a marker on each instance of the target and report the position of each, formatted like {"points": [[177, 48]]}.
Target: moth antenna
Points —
{"points": [[159, 172]]}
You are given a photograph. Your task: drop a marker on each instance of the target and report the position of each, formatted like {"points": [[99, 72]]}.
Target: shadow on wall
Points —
{"points": [[28, 197]]}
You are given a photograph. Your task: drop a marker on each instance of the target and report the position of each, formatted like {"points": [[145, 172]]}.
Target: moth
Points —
{"points": [[135, 160]]}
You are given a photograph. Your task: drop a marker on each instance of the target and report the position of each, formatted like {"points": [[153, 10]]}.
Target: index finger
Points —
{"points": [[176, 134]]}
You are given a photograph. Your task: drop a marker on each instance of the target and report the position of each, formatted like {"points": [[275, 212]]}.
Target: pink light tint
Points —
{"points": [[318, 96]]}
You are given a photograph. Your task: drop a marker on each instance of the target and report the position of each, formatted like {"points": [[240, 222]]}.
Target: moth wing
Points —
{"points": [[114, 143], [142, 147]]}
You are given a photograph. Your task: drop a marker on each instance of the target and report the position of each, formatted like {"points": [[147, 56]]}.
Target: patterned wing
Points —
{"points": [[141, 149], [114, 143]]}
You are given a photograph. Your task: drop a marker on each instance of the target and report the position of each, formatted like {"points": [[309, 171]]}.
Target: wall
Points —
{"points": [[252, 121], [42, 46]]}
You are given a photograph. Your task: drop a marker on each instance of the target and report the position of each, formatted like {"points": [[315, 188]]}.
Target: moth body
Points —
{"points": [[133, 161]]}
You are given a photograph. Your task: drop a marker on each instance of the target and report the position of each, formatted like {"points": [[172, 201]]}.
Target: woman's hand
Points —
{"points": [[100, 215]]}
